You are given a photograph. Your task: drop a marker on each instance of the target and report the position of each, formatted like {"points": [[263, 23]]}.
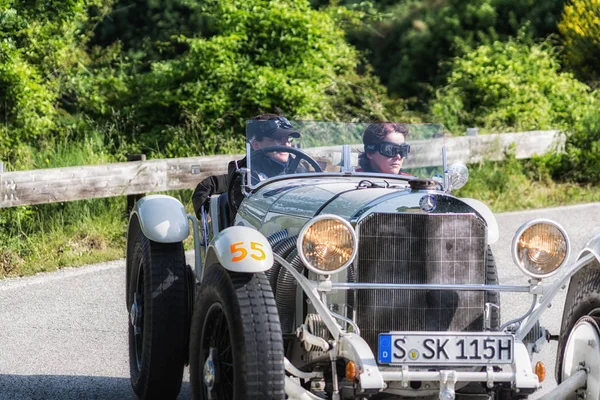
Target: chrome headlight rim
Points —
{"points": [[520, 232], [308, 225]]}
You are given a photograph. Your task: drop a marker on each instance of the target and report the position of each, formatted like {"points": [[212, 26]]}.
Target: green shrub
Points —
{"points": [[40, 49], [511, 86], [279, 56], [410, 46], [580, 28], [580, 162]]}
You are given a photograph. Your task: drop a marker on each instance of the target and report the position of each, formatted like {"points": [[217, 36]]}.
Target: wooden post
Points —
{"points": [[133, 198]]}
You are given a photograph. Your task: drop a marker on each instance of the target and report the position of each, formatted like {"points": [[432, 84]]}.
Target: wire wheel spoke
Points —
{"points": [[138, 323], [216, 336]]}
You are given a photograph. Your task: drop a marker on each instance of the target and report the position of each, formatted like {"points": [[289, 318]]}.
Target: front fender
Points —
{"points": [[240, 249], [593, 247], [162, 218], [488, 215]]}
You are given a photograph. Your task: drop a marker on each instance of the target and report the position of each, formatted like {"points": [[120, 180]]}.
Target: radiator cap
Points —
{"points": [[423, 184]]}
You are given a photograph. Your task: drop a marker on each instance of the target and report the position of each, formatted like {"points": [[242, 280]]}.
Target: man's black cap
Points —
{"points": [[275, 128]]}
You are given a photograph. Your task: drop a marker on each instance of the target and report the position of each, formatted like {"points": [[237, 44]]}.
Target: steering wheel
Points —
{"points": [[294, 162], [300, 155]]}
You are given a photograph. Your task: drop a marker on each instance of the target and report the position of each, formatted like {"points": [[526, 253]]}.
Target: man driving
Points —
{"points": [[276, 131], [263, 131]]}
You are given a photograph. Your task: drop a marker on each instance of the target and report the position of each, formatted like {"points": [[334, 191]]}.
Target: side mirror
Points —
{"points": [[458, 175]]}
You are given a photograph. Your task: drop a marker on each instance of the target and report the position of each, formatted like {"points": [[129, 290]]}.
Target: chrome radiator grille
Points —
{"points": [[419, 248]]}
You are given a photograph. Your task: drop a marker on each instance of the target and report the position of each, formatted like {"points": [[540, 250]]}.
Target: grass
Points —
{"points": [[51, 236], [513, 185]]}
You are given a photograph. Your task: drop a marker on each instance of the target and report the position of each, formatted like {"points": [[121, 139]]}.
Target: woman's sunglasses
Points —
{"points": [[389, 149]]}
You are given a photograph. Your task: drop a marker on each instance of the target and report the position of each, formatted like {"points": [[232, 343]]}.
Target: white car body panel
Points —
{"points": [[488, 215], [162, 218], [240, 249]]}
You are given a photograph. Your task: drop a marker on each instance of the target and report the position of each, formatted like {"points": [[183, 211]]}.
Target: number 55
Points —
{"points": [[257, 252]]}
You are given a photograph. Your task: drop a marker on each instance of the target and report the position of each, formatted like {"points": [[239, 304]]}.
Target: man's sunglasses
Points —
{"points": [[389, 149]]}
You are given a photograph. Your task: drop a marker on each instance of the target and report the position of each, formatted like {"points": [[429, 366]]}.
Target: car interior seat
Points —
{"points": [[219, 212]]}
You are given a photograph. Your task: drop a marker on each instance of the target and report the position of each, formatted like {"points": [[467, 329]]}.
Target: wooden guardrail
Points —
{"points": [[137, 177]]}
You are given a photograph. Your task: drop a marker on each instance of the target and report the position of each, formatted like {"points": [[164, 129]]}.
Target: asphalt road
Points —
{"points": [[63, 335]]}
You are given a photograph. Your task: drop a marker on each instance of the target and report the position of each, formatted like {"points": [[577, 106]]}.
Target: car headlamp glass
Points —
{"points": [[540, 248], [458, 173], [327, 244]]}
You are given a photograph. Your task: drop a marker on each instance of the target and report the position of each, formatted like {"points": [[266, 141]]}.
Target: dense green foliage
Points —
{"points": [[580, 162], [38, 54], [511, 85], [244, 59], [409, 49], [580, 28]]}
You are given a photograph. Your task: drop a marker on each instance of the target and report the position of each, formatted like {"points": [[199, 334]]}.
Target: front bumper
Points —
{"points": [[375, 378]]}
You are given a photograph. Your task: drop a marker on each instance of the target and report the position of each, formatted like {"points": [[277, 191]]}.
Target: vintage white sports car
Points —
{"points": [[334, 282]]}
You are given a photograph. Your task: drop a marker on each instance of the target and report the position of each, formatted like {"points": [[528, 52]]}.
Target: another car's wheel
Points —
{"points": [[579, 337], [159, 308], [236, 346]]}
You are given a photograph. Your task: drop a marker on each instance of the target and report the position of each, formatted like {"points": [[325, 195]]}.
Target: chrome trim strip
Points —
{"points": [[424, 286], [461, 376]]}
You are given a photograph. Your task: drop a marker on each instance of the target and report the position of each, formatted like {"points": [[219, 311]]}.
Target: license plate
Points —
{"points": [[438, 348]]}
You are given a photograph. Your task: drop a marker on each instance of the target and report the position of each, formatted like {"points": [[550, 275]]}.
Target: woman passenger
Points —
{"points": [[385, 148]]}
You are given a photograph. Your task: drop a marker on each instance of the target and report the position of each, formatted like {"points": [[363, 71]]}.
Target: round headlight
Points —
{"points": [[540, 247], [458, 174], [327, 244]]}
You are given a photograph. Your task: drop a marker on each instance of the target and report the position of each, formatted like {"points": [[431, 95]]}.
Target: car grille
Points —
{"points": [[420, 248]]}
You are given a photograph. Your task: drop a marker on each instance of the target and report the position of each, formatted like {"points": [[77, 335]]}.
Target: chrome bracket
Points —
{"points": [[490, 376], [447, 382], [405, 376]]}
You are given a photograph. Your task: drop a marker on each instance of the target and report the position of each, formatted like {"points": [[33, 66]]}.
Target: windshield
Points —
{"points": [[280, 147]]}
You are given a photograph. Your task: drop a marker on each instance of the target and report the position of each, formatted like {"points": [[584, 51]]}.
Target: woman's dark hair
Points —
{"points": [[376, 133]]}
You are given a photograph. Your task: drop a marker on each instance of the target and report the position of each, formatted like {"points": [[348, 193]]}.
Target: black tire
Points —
{"points": [[583, 299], [158, 330], [236, 323], [491, 278]]}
